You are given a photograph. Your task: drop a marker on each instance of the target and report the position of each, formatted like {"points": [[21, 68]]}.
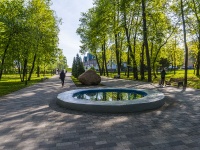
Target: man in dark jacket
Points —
{"points": [[62, 77], [163, 73]]}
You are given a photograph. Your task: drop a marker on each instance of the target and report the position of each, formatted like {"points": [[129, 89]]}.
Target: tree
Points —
{"points": [[194, 28], [185, 43], [137, 32], [44, 30], [127, 27], [10, 26], [77, 66], [164, 62], [145, 39], [30, 35], [74, 68]]}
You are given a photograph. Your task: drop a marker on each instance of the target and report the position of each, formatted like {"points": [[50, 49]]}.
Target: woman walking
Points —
{"points": [[62, 77]]}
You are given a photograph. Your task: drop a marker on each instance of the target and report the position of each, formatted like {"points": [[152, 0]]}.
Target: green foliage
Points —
{"points": [[193, 81], [11, 83], [164, 62], [74, 68], [69, 69], [76, 81], [110, 22], [60, 60], [77, 66], [92, 68], [28, 36]]}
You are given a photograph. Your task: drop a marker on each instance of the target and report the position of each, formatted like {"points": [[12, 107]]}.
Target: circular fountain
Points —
{"points": [[112, 100]]}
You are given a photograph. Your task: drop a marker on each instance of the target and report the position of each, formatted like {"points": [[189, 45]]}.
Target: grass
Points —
{"points": [[193, 81], [69, 69], [76, 82], [11, 82]]}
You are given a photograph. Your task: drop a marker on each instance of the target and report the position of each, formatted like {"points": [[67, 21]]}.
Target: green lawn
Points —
{"points": [[193, 80], [11, 82], [69, 70], [76, 81]]}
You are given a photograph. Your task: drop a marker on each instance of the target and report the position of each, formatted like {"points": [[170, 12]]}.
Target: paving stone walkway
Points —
{"points": [[31, 120]]}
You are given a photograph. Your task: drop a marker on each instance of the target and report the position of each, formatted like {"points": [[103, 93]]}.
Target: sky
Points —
{"points": [[70, 12]]}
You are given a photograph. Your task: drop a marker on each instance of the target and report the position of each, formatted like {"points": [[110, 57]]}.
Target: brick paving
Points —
{"points": [[31, 120]]}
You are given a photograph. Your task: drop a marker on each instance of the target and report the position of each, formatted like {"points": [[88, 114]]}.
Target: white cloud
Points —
{"points": [[70, 12]]}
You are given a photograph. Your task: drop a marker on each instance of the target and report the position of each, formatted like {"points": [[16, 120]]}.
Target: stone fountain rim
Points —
{"points": [[154, 99]]}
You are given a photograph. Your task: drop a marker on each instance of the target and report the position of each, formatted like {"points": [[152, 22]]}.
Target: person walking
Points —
{"points": [[62, 77], [163, 73]]}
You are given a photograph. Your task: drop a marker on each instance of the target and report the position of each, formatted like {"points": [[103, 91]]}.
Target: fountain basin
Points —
{"points": [[152, 99]]}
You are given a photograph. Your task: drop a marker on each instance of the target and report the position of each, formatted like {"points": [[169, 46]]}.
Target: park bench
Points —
{"points": [[116, 76], [43, 79], [178, 81]]}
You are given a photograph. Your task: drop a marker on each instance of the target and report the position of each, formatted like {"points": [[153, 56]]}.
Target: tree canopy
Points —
{"points": [[28, 36], [145, 31]]}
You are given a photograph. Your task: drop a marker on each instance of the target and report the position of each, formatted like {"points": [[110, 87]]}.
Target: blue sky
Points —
{"points": [[70, 12]]}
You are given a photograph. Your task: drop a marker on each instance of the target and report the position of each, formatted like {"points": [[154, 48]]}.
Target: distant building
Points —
{"points": [[90, 61], [191, 63], [111, 66]]}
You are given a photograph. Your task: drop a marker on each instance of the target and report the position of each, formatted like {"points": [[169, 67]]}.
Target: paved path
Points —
{"points": [[30, 119]]}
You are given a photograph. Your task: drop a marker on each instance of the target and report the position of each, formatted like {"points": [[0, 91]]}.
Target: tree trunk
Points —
{"points": [[174, 64], [175, 58], [44, 72], [130, 52], [19, 70], [24, 70], [116, 35], [154, 71], [103, 69], [32, 68], [135, 70], [145, 40], [185, 44], [198, 55], [117, 55], [100, 71], [104, 49], [128, 63], [198, 62], [142, 63], [38, 71], [3, 58]]}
